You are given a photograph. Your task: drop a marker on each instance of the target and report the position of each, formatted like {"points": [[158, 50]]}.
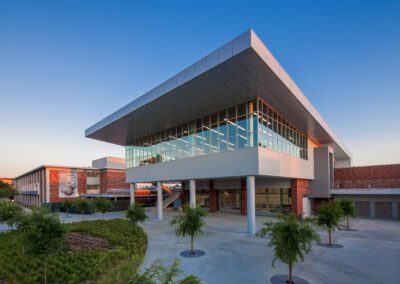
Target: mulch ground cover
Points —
{"points": [[78, 241]]}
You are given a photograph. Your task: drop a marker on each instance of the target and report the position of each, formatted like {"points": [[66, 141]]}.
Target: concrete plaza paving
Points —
{"points": [[370, 255]]}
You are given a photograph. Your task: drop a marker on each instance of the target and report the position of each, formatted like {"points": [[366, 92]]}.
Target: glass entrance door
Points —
{"points": [[229, 200]]}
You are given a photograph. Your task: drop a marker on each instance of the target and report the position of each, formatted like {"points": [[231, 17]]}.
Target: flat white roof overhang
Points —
{"points": [[239, 71]]}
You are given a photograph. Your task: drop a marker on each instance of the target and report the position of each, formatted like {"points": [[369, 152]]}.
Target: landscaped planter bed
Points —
{"points": [[97, 248]]}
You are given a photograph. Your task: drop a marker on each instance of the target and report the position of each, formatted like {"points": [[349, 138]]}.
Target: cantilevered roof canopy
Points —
{"points": [[239, 71]]}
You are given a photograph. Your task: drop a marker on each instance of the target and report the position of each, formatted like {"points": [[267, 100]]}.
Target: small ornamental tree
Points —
{"points": [[189, 223], [329, 215], [136, 213], [83, 205], [43, 234], [7, 191], [348, 210], [102, 205], [10, 213], [291, 239], [67, 205]]}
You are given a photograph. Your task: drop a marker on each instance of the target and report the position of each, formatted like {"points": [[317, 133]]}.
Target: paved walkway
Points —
{"points": [[370, 255]]}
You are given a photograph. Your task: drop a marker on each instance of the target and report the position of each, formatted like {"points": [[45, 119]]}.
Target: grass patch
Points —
{"points": [[129, 242]]}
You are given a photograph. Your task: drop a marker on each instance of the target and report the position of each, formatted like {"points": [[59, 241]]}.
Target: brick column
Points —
{"points": [[243, 192], [184, 196], [299, 188], [213, 197]]}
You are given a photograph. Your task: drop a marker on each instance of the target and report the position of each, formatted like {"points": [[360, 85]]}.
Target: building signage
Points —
{"points": [[68, 184]]}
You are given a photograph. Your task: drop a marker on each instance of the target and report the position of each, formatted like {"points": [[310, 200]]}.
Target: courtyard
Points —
{"points": [[370, 255]]}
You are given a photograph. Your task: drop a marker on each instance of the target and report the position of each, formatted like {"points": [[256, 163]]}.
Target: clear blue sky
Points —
{"points": [[64, 65]]}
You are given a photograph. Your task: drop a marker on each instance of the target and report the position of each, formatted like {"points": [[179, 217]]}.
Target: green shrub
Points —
{"points": [[159, 273], [102, 205], [6, 191], [17, 265], [136, 213], [10, 212], [67, 205], [84, 206]]}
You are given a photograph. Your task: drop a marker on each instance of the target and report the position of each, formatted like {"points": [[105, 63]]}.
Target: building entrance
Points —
{"points": [[229, 200]]}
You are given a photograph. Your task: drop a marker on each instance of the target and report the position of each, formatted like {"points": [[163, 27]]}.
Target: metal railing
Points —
{"points": [[367, 183]]}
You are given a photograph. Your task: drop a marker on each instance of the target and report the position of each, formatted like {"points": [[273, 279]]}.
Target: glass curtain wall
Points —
{"points": [[277, 134], [246, 125], [227, 130]]}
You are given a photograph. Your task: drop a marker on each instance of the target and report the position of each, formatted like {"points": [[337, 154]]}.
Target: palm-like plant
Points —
{"points": [[189, 223], [348, 210], [291, 239], [329, 215]]}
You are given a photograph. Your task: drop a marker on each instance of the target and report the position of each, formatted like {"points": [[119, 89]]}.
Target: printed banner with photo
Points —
{"points": [[68, 184]]}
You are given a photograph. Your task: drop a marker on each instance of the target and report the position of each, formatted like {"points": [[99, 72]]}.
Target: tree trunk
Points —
{"points": [[191, 245], [45, 270], [347, 220], [330, 237], [290, 273]]}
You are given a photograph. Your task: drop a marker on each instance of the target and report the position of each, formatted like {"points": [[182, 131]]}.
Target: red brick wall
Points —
{"points": [[299, 188], [383, 176], [185, 194], [54, 183], [243, 189], [213, 197], [316, 202], [112, 179]]}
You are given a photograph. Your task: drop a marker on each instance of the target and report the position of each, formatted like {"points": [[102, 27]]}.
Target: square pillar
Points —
{"points": [[132, 187], [251, 204], [192, 188], [159, 201], [395, 210], [372, 209], [213, 197], [184, 196], [243, 193]]}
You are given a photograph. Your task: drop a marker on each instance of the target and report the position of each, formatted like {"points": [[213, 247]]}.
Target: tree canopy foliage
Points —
{"points": [[329, 215], [291, 239], [189, 223]]}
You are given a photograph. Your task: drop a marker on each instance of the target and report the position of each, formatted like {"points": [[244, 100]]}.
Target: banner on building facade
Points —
{"points": [[68, 184]]}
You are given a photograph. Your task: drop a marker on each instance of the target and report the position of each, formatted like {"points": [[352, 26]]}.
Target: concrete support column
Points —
{"points": [[251, 205], [372, 209], [132, 193], [395, 213], [159, 201], [192, 188]]}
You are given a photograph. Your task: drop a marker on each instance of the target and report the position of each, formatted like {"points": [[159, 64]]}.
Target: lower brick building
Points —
{"points": [[375, 190], [49, 183]]}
